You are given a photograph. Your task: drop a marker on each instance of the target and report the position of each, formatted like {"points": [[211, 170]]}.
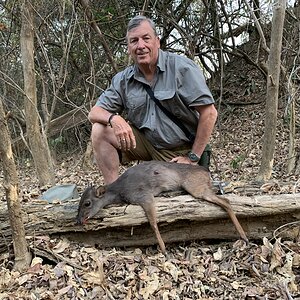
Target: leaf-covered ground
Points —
{"points": [[270, 270]]}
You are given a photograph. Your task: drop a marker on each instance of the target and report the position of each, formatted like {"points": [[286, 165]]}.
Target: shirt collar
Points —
{"points": [[161, 60]]}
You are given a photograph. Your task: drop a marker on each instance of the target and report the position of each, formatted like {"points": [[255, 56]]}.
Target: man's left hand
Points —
{"points": [[183, 160]]}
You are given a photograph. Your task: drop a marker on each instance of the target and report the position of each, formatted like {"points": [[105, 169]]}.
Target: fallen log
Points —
{"points": [[181, 218], [72, 118]]}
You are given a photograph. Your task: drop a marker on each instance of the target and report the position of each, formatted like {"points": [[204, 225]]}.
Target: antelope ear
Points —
{"points": [[99, 191]]}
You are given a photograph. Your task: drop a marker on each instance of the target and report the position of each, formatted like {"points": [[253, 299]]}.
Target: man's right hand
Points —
{"points": [[123, 133]]}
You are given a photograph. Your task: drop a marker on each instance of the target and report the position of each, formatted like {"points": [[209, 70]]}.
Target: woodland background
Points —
{"points": [[56, 57]]}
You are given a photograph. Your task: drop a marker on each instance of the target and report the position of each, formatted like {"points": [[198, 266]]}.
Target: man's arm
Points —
{"points": [[207, 119], [121, 128], [99, 115]]}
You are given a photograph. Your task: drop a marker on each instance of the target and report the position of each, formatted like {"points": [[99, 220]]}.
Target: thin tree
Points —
{"points": [[293, 92], [291, 115], [37, 139], [22, 255], [274, 63]]}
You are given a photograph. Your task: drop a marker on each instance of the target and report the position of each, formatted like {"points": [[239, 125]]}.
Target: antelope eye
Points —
{"points": [[87, 204]]}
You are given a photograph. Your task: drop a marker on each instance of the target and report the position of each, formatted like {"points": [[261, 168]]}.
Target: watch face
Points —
{"points": [[193, 157]]}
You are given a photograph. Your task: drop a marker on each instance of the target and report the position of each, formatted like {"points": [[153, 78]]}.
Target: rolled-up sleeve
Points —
{"points": [[111, 98]]}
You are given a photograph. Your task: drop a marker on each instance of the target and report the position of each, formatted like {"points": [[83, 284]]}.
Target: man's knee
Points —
{"points": [[101, 133], [97, 129]]}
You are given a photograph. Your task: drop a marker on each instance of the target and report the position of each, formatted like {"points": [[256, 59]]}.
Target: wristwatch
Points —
{"points": [[193, 157], [110, 118]]}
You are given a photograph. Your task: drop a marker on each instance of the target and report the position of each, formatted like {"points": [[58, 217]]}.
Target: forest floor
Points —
{"points": [[265, 269]]}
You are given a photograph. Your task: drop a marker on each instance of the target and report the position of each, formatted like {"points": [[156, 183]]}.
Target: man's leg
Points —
{"points": [[105, 147]]}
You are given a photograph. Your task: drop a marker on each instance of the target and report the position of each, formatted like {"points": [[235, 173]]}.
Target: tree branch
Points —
{"points": [[85, 4]]}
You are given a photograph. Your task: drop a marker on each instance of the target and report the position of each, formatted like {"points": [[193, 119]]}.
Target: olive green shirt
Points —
{"points": [[179, 84]]}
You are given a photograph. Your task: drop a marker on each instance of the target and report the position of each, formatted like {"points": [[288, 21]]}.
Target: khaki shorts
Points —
{"points": [[146, 151]]}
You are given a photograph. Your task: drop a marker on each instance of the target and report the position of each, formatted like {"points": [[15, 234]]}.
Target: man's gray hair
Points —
{"points": [[137, 20]]}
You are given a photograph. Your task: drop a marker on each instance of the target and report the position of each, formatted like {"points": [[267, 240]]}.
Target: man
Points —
{"points": [[145, 132]]}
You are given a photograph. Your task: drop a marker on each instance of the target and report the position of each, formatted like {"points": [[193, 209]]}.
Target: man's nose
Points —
{"points": [[141, 43]]}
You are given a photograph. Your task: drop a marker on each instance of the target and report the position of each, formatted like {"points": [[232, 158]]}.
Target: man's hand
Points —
{"points": [[123, 132], [183, 160]]}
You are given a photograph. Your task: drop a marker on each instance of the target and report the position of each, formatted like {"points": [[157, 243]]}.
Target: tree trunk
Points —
{"points": [[37, 140], [274, 63], [292, 130], [22, 256]]}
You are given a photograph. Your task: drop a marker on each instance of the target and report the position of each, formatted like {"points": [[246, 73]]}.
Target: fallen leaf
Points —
{"points": [[171, 269], [296, 260], [5, 278], [36, 260], [218, 255], [89, 250], [236, 285], [93, 278], [61, 246], [151, 286], [21, 280], [277, 255], [64, 290]]}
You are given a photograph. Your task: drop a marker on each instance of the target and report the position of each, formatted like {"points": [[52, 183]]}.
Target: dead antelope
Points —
{"points": [[141, 183]]}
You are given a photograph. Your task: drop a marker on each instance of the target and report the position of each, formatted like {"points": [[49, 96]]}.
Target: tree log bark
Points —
{"points": [[181, 218], [72, 118]]}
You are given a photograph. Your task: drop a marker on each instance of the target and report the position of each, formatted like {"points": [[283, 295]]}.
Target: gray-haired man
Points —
{"points": [[144, 132]]}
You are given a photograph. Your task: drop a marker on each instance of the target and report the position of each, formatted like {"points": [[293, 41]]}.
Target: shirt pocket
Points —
{"points": [[169, 100], [137, 109]]}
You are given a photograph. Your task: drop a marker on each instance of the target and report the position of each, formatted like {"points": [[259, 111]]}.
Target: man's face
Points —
{"points": [[143, 44]]}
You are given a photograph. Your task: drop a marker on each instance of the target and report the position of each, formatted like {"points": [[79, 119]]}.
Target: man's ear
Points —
{"points": [[158, 41]]}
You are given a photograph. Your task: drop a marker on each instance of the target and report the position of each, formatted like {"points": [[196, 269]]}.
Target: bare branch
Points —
{"points": [[85, 4], [258, 27]]}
